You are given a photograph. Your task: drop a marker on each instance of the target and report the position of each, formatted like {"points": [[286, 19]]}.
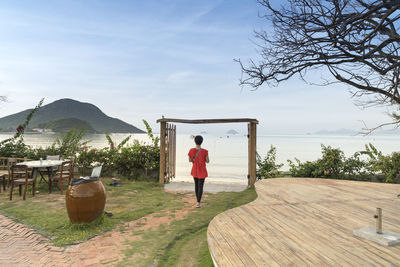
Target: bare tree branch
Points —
{"points": [[357, 41]]}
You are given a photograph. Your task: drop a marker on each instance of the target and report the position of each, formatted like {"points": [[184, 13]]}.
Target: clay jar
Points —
{"points": [[85, 201]]}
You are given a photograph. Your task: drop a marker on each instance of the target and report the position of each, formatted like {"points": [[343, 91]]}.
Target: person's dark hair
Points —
{"points": [[198, 139]]}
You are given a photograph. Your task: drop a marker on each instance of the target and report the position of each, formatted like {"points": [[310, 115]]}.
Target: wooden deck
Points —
{"points": [[303, 222]]}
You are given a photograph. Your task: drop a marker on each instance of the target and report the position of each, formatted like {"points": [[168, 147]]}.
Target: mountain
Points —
{"points": [[232, 132], [64, 125], [69, 108], [348, 132]]}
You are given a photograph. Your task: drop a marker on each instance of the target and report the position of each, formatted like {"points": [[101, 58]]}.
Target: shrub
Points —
{"points": [[15, 145], [306, 169], [333, 164], [267, 167], [388, 165], [355, 168], [70, 143], [14, 148], [137, 159]]}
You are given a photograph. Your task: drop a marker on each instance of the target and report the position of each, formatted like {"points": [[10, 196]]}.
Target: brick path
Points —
{"points": [[22, 246]]}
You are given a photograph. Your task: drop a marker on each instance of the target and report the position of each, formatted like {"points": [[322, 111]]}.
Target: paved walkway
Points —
{"points": [[208, 187], [22, 246]]}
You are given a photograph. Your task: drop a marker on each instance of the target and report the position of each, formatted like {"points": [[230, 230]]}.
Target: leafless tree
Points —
{"points": [[356, 41]]}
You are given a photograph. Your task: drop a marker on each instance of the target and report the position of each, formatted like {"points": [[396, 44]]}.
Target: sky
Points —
{"points": [[146, 59]]}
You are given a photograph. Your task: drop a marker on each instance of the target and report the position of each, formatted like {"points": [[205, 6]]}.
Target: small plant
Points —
{"points": [[388, 165], [332, 162], [355, 167], [303, 169], [120, 145], [15, 145], [267, 167], [156, 139], [70, 143]]}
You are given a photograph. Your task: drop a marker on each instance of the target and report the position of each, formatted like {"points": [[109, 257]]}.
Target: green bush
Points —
{"points": [[15, 146], [304, 169], [70, 143], [267, 167], [332, 164], [136, 161], [387, 165], [356, 168]]}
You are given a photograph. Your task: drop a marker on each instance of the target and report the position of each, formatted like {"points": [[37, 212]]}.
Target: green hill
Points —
{"points": [[69, 108], [64, 125]]}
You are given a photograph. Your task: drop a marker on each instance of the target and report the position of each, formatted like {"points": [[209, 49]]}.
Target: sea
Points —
{"points": [[229, 153]]}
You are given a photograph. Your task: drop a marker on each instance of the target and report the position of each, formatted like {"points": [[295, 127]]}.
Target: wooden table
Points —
{"points": [[306, 222], [37, 164]]}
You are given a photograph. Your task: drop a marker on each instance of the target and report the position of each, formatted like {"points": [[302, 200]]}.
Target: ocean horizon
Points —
{"points": [[228, 153]]}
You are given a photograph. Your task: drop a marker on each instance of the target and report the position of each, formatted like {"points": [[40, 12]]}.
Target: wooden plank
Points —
{"points": [[163, 126], [201, 121], [270, 230], [227, 249], [305, 222]]}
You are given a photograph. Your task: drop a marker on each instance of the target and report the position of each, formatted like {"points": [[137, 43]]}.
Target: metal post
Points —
{"points": [[378, 218]]}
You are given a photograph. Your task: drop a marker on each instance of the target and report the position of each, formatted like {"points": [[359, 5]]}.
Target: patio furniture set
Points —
{"points": [[21, 173]]}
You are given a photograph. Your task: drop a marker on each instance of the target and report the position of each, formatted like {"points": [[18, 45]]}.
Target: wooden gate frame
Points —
{"points": [[252, 136]]}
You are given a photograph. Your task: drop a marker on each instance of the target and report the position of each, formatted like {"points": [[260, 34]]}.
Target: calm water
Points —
{"points": [[228, 155]]}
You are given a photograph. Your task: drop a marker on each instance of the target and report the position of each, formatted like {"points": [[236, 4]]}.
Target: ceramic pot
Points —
{"points": [[85, 201]]}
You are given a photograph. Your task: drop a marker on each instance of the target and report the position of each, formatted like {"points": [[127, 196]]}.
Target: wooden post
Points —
{"points": [[168, 153], [252, 153], [248, 154], [174, 151], [163, 126]]}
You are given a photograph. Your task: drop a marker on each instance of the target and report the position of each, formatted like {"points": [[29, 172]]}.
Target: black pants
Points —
{"points": [[198, 188]]}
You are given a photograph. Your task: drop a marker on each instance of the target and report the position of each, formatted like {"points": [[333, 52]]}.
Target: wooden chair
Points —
{"points": [[20, 177], [4, 172], [3, 178], [54, 157], [66, 173], [10, 162]]}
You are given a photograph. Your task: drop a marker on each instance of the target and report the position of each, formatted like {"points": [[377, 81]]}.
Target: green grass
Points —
{"points": [[184, 242], [47, 213], [181, 243]]}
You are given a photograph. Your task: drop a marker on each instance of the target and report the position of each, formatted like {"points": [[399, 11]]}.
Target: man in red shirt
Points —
{"points": [[199, 157]]}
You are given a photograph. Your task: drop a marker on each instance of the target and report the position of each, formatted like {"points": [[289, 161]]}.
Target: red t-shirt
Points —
{"points": [[199, 169]]}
